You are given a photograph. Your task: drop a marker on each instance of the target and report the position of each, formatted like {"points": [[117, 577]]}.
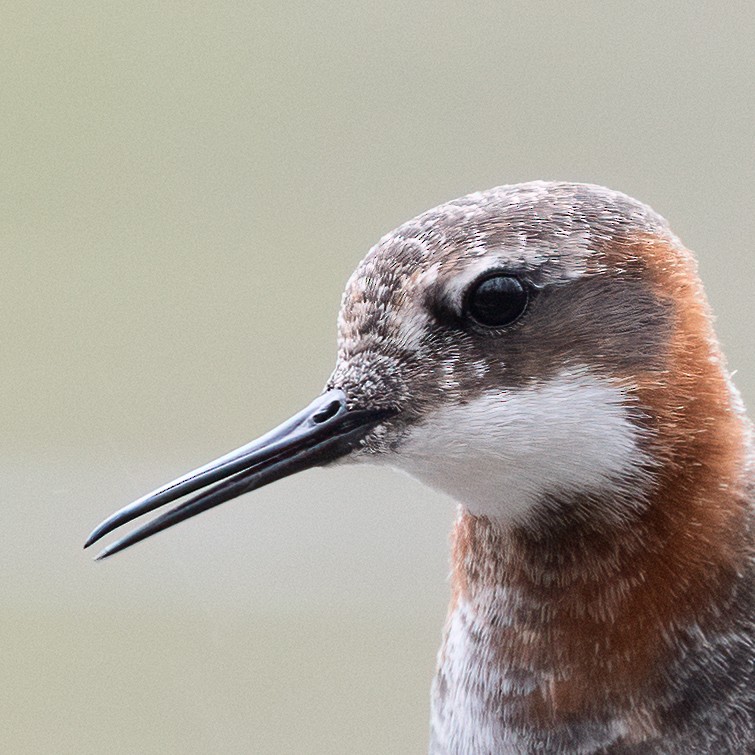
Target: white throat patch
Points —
{"points": [[501, 452]]}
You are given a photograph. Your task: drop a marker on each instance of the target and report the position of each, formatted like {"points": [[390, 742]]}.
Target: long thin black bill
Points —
{"points": [[324, 431]]}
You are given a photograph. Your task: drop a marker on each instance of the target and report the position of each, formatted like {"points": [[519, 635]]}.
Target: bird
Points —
{"points": [[544, 354]]}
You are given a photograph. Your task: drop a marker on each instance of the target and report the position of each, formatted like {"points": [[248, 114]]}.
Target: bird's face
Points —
{"points": [[494, 347], [509, 332]]}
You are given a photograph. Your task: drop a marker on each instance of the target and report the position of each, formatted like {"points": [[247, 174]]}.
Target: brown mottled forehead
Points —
{"points": [[556, 225], [550, 231]]}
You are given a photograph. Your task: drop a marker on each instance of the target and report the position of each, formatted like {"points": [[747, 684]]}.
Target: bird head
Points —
{"points": [[518, 349]]}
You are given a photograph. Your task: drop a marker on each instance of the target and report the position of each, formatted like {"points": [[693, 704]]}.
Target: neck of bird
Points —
{"points": [[550, 626]]}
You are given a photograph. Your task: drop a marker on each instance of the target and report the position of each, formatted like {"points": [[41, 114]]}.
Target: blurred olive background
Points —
{"points": [[185, 189]]}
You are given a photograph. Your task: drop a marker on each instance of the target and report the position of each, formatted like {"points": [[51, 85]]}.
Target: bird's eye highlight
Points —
{"points": [[496, 300]]}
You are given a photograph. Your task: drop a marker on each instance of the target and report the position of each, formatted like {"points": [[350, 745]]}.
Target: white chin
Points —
{"points": [[502, 452]]}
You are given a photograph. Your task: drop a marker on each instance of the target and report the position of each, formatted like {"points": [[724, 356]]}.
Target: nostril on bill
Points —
{"points": [[327, 412]]}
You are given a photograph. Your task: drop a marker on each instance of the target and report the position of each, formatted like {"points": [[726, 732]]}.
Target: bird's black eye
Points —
{"points": [[496, 300]]}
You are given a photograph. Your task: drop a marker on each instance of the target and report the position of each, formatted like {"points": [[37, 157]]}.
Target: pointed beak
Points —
{"points": [[326, 430]]}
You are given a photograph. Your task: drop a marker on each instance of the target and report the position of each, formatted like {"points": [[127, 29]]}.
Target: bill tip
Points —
{"points": [[104, 553]]}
